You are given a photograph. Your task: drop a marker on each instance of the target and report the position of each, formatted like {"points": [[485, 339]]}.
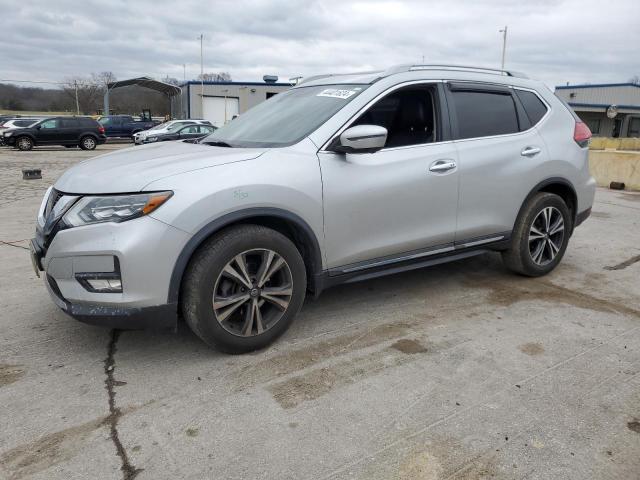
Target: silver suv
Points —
{"points": [[341, 178]]}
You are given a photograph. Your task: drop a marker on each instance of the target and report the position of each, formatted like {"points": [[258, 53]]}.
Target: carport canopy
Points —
{"points": [[166, 88]]}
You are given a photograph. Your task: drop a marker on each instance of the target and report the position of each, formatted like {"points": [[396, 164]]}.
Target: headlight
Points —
{"points": [[113, 208], [7, 134], [151, 139]]}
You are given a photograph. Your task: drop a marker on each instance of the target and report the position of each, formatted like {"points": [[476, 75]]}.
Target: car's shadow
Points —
{"points": [[371, 294]]}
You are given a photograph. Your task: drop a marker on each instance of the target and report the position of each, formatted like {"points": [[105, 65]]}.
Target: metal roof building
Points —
{"points": [[609, 109], [219, 102]]}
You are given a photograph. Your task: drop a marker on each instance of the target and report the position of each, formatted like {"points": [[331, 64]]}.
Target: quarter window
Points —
{"points": [[532, 105], [483, 114]]}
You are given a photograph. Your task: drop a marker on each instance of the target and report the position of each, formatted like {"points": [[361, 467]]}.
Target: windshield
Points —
{"points": [[286, 118]]}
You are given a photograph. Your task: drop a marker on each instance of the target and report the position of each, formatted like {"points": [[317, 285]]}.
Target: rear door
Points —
{"points": [[500, 154], [69, 130]]}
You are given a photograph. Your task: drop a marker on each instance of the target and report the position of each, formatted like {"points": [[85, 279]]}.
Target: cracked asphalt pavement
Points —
{"points": [[460, 371]]}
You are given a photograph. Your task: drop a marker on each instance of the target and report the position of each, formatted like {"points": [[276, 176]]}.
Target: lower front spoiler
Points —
{"points": [[158, 317]]}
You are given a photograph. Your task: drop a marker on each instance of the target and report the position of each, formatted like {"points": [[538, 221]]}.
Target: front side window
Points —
{"points": [[190, 129], [53, 123], [286, 118], [408, 115], [484, 114]]}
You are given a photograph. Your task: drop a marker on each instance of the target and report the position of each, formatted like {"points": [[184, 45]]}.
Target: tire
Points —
{"points": [[88, 143], [24, 143], [537, 244], [207, 283]]}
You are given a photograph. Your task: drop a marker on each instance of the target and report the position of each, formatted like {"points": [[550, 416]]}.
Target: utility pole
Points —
{"points": [[75, 84], [504, 44], [201, 77], [184, 71]]}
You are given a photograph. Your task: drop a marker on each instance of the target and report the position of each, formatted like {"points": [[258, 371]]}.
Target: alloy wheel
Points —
{"points": [[546, 236], [252, 292], [89, 143], [24, 143]]}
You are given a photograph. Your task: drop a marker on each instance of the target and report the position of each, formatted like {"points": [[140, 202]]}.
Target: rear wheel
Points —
{"points": [[540, 236], [24, 143], [88, 143], [243, 288]]}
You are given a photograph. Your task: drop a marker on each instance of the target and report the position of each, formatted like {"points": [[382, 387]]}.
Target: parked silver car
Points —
{"points": [[342, 178], [167, 127]]}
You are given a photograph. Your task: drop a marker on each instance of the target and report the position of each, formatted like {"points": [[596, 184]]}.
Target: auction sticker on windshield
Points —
{"points": [[336, 93]]}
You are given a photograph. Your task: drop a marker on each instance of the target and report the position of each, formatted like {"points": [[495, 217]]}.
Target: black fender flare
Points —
{"points": [[219, 223]]}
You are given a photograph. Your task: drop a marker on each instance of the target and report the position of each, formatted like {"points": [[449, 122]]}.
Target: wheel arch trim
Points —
{"points": [[545, 183], [221, 222]]}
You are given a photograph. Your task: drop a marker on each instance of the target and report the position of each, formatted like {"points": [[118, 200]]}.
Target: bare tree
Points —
{"points": [[103, 79], [90, 90], [88, 93], [215, 77], [635, 80], [170, 80]]}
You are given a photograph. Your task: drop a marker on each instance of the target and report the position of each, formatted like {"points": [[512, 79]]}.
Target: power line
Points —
{"points": [[32, 81]]}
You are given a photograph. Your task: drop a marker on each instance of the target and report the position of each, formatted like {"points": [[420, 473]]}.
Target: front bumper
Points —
{"points": [[143, 251], [159, 317]]}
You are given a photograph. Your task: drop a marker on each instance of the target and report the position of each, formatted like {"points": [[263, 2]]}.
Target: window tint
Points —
{"points": [[532, 105], [88, 122], [482, 114], [23, 123], [69, 123], [407, 114], [53, 123]]}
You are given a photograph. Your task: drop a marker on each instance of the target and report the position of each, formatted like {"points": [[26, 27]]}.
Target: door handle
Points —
{"points": [[441, 166], [530, 151]]}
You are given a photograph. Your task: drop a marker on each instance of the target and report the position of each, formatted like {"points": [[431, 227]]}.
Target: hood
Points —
{"points": [[130, 169]]}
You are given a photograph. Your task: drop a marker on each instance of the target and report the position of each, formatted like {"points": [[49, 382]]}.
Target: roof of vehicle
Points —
{"points": [[434, 71]]}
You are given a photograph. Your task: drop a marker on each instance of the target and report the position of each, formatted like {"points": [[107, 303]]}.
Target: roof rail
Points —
{"points": [[327, 75], [408, 67]]}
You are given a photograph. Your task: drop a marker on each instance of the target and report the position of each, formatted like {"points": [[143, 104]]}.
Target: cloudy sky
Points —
{"points": [[557, 41]]}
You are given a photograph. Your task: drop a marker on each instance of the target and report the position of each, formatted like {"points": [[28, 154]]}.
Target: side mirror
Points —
{"points": [[38, 127], [360, 139]]}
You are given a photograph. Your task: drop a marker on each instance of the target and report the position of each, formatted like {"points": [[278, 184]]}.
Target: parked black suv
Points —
{"points": [[83, 132]]}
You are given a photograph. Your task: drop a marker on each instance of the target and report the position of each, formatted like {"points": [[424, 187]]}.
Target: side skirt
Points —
{"points": [[411, 261]]}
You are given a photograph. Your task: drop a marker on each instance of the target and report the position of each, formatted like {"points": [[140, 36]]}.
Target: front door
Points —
{"points": [[50, 131], [396, 203]]}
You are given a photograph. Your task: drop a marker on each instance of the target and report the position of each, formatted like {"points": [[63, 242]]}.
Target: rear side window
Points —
{"points": [[88, 123], [69, 123], [23, 123], [533, 106], [483, 114]]}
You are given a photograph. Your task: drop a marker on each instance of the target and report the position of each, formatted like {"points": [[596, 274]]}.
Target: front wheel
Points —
{"points": [[243, 288], [24, 143], [540, 236], [88, 143]]}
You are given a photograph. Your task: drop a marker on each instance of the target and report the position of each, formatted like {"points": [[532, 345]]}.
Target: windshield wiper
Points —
{"points": [[218, 144]]}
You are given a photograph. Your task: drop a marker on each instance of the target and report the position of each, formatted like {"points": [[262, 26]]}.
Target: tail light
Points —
{"points": [[101, 130], [581, 134]]}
